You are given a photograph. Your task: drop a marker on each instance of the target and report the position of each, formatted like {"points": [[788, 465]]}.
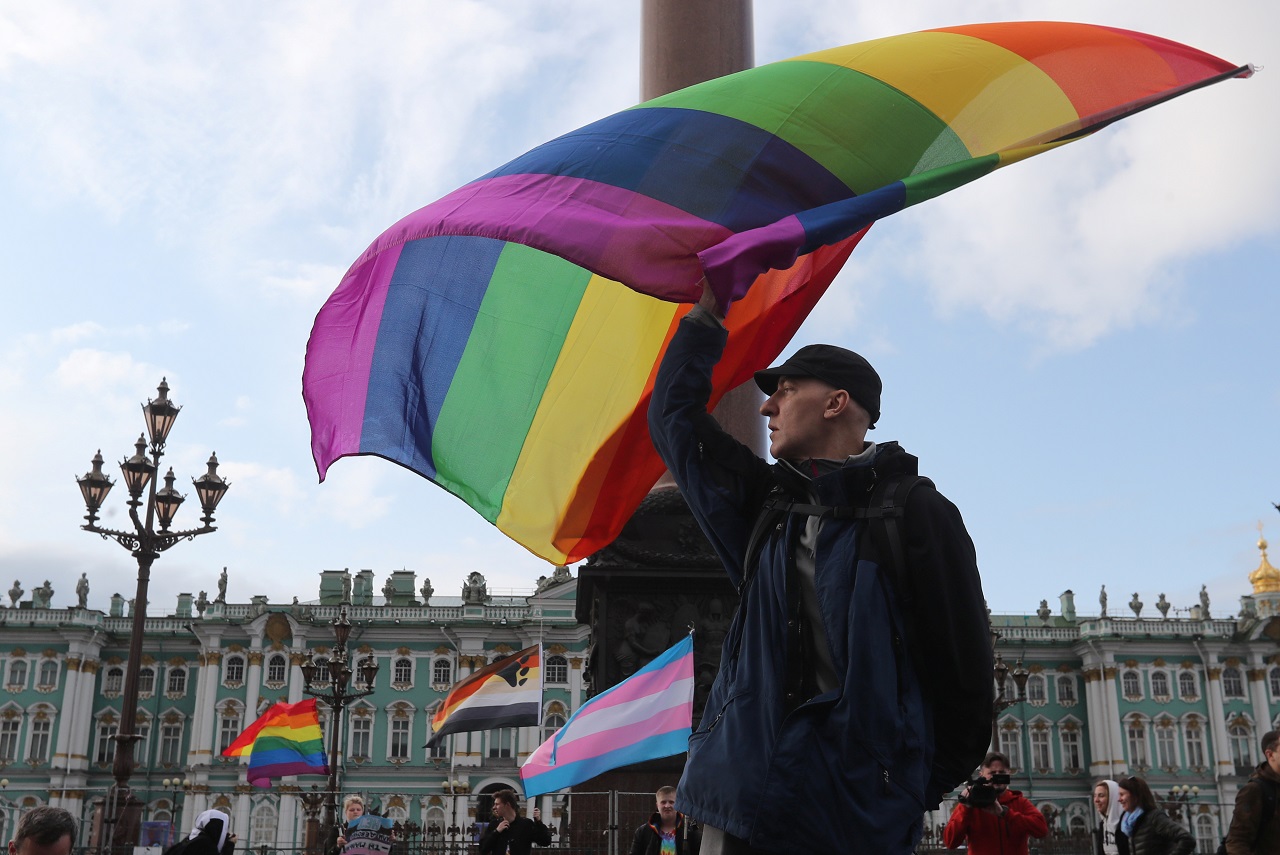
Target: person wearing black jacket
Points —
{"points": [[1144, 828], [667, 823], [512, 833], [209, 836], [830, 705]]}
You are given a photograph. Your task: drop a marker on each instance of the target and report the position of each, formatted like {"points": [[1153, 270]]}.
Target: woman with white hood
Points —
{"points": [[210, 836], [1106, 798]]}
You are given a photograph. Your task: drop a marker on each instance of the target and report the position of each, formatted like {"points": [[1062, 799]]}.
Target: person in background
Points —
{"points": [[352, 808], [209, 836], [1146, 829], [1106, 800], [44, 831], [1001, 827], [513, 834], [667, 831], [1255, 825]]}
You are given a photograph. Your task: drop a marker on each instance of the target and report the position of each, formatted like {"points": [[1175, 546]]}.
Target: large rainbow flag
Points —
{"points": [[646, 716], [285, 740], [506, 693], [502, 341]]}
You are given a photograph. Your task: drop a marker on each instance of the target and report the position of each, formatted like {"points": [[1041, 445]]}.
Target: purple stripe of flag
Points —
{"points": [[335, 378], [650, 245]]}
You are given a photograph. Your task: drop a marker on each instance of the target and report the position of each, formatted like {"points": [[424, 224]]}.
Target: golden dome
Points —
{"points": [[1266, 579]]}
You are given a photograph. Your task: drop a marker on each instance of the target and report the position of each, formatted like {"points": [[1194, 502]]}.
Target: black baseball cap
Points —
{"points": [[842, 368]]}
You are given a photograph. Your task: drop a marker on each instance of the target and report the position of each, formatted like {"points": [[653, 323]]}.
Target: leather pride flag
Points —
{"points": [[507, 693]]}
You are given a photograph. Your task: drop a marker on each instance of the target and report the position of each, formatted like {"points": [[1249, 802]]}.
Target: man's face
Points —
{"points": [[996, 768], [1101, 798], [797, 429], [667, 807], [30, 847], [1273, 759], [503, 809]]}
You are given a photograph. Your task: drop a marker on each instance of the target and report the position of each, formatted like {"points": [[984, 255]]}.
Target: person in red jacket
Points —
{"points": [[1000, 827]]}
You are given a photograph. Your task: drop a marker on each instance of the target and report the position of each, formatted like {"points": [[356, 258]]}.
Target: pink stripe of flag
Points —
{"points": [[647, 716]]}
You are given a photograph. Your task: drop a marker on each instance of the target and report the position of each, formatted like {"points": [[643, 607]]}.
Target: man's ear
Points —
{"points": [[837, 404]]}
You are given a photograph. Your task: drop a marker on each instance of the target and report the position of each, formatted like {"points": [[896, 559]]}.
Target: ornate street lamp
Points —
{"points": [[1003, 699], [331, 683], [173, 785], [145, 543]]}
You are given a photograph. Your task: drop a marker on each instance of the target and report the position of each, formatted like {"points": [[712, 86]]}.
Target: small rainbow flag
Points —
{"points": [[507, 693], [285, 740], [646, 716]]}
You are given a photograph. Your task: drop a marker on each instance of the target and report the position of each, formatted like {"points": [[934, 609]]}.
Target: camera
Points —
{"points": [[983, 792]]}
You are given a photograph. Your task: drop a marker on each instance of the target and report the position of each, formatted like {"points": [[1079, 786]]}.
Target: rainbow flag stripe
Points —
{"points": [[502, 341], [506, 693], [285, 740]]}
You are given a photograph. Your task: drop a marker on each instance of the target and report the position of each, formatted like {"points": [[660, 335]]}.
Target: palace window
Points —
{"points": [[228, 726], [1159, 684], [1195, 744], [177, 683], [1232, 683], [171, 744], [10, 731], [1137, 735], [1131, 684], [400, 739], [1187, 686], [1066, 689], [1071, 760], [1166, 745], [551, 724], [48, 674], [105, 751], [1036, 694], [403, 671], [442, 672], [146, 681], [1041, 757], [113, 682], [1241, 735], [38, 751], [361, 737], [557, 670], [17, 674], [234, 670], [276, 669]]}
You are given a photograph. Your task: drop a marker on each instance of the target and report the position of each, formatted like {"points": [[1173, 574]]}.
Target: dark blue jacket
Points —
{"points": [[852, 769]]}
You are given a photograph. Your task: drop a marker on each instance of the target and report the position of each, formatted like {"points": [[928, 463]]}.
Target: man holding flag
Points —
{"points": [[852, 570]]}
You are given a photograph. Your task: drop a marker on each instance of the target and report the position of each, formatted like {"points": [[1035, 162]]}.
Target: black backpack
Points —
{"points": [[1268, 815]]}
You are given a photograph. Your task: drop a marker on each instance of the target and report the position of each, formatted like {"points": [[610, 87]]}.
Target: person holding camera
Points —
{"points": [[994, 819]]}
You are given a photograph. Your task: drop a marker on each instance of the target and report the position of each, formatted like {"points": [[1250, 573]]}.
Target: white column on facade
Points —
{"points": [[295, 676], [240, 821], [575, 683], [288, 813], [253, 683], [68, 715], [1258, 697], [202, 723], [83, 742], [1218, 726], [1095, 714], [1111, 709]]}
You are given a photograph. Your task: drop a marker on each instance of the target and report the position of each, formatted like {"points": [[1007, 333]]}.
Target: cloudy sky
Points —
{"points": [[1082, 348]]}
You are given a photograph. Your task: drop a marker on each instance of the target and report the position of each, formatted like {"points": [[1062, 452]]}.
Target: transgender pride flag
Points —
{"points": [[648, 715]]}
